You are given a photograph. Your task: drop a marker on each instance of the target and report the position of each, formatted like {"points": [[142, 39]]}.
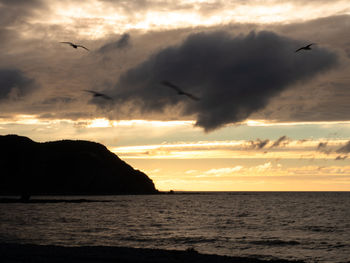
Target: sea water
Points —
{"points": [[311, 226]]}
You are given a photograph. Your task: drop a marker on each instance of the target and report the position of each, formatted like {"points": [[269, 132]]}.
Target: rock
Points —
{"points": [[66, 167]]}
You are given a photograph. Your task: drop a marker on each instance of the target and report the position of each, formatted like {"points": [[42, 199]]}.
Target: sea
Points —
{"points": [[309, 226]]}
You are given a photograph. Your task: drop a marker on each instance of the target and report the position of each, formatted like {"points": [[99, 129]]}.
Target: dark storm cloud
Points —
{"points": [[5, 35], [282, 140], [14, 84], [233, 76], [344, 149], [13, 15], [122, 42], [58, 100], [326, 97], [15, 11]]}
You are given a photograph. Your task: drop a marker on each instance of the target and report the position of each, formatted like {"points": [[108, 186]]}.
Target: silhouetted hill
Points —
{"points": [[66, 167]]}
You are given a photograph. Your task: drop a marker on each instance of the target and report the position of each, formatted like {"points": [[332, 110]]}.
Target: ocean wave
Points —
{"points": [[274, 242], [171, 240], [325, 229]]}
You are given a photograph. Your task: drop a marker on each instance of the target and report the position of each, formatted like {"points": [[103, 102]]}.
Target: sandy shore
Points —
{"points": [[16, 253]]}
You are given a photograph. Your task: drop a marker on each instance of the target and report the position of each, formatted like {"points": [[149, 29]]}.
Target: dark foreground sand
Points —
{"points": [[15, 253]]}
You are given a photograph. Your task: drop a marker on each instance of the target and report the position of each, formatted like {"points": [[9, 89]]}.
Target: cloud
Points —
{"points": [[233, 76], [14, 20], [57, 100], [325, 148], [264, 167], [121, 43], [322, 145], [344, 149], [283, 139], [258, 144], [325, 98], [341, 157], [14, 11], [221, 171], [301, 141], [14, 84], [160, 12]]}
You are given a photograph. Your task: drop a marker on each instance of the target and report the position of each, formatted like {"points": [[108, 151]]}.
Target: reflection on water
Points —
{"points": [[308, 226]]}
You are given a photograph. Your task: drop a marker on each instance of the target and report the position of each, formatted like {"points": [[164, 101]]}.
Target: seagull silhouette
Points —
{"points": [[97, 94], [179, 91], [308, 47], [75, 45]]}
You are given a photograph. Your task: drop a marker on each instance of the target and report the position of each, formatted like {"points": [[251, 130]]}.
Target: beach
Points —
{"points": [[18, 253]]}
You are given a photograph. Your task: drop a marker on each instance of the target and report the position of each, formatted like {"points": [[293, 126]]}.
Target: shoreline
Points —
{"points": [[18, 253]]}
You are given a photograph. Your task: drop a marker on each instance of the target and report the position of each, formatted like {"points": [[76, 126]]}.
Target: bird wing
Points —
{"points": [[181, 92], [91, 91], [171, 85], [306, 47], [69, 43], [83, 47], [191, 96], [105, 96], [98, 94]]}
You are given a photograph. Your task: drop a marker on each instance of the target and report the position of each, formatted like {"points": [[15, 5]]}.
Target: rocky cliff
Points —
{"points": [[66, 167]]}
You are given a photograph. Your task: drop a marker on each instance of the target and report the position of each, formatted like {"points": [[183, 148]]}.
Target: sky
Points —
{"points": [[267, 118]]}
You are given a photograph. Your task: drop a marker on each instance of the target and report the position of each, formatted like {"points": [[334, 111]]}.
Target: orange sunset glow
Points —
{"points": [[243, 110]]}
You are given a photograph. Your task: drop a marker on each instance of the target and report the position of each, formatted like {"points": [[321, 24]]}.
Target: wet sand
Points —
{"points": [[16, 253]]}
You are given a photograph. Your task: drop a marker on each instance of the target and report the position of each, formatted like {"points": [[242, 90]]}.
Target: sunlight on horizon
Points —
{"points": [[104, 122], [245, 177], [283, 166]]}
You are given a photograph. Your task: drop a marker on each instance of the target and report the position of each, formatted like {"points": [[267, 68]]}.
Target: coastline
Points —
{"points": [[18, 253]]}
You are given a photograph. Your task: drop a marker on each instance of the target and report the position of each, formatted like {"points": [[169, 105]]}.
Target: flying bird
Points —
{"points": [[97, 94], [179, 91], [308, 47], [74, 45]]}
